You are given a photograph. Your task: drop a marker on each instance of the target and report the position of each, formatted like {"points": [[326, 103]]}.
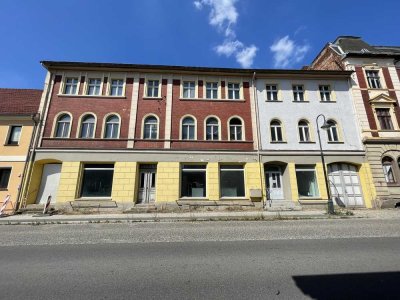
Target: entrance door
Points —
{"points": [[147, 184], [273, 177], [345, 184], [49, 184]]}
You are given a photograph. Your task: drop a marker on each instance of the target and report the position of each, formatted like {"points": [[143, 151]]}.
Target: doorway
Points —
{"points": [[147, 184], [273, 178], [49, 183]]}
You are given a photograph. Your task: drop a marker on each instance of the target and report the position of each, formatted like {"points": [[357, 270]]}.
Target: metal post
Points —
{"points": [[331, 209]]}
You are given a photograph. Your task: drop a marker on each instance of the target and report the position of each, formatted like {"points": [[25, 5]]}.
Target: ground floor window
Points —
{"points": [[232, 181], [4, 177], [97, 180], [307, 185], [193, 183]]}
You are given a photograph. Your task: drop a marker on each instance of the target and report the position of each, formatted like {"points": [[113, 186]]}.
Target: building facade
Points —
{"points": [[375, 88], [139, 135], [18, 109]]}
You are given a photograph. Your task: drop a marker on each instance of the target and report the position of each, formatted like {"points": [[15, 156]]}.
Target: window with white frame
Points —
{"points": [[97, 180], [307, 185], [150, 128], [193, 181], [14, 135], [152, 88], [112, 127], [94, 86], [212, 90], [233, 91], [4, 177], [304, 131], [298, 92], [188, 128], [232, 181], [212, 129], [373, 79], [384, 118], [87, 127], [62, 126], [276, 131], [388, 169], [189, 89], [235, 129], [332, 131], [117, 87], [325, 93], [71, 86], [272, 92]]}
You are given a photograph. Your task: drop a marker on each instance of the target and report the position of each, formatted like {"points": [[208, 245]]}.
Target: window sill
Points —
{"points": [[395, 184], [297, 101], [306, 142], [91, 96], [11, 145], [338, 142], [152, 98], [279, 142], [212, 100], [312, 198], [274, 101], [331, 101], [233, 198], [193, 198], [93, 198], [3, 189]]}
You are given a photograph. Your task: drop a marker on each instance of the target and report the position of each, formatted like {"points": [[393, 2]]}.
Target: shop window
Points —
{"points": [[193, 181], [97, 180], [307, 185], [232, 181]]}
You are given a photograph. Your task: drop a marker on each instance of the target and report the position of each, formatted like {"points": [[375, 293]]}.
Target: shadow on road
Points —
{"points": [[384, 285]]}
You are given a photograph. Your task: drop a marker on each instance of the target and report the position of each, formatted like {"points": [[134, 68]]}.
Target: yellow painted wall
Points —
{"points": [[24, 141], [367, 185], [13, 183], [167, 181], [321, 181], [124, 182], [69, 182], [253, 178], [213, 191], [293, 181]]}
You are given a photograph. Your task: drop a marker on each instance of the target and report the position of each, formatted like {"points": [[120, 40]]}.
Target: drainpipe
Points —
{"points": [[253, 82]]}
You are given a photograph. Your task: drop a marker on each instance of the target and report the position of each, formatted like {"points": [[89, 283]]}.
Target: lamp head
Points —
{"points": [[326, 125]]}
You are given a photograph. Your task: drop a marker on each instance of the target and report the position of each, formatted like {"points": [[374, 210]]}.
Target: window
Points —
{"points": [[87, 127], [332, 131], [307, 185], [193, 183], [276, 131], [304, 131], [325, 93], [150, 128], [117, 87], [189, 89], [232, 181], [235, 129], [97, 180], [384, 118], [212, 90], [112, 127], [71, 86], [373, 79], [152, 88], [4, 177], [94, 87], [14, 135], [63, 125], [212, 129], [233, 91], [272, 92], [188, 129], [298, 93], [388, 169]]}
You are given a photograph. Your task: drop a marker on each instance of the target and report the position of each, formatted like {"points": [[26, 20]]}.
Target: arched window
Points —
{"points": [[388, 169], [304, 131], [276, 131], [63, 125], [235, 129], [112, 127], [332, 131], [188, 129], [87, 127], [150, 128], [212, 129]]}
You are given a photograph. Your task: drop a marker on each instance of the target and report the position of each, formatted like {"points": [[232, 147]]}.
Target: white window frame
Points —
{"points": [[104, 131], [297, 90], [308, 169], [64, 88], [269, 91], [89, 85], [146, 88], [234, 89], [181, 128], [191, 87], [205, 128], [55, 125], [374, 82], [199, 170], [82, 117], [235, 129], [302, 128], [239, 168], [325, 92], [157, 127], [212, 89], [119, 86], [9, 133], [275, 129], [329, 132]]}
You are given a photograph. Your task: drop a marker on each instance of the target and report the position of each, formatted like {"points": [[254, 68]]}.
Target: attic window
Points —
{"points": [[363, 50]]}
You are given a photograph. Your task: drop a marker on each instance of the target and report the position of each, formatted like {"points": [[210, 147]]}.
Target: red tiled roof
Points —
{"points": [[19, 101]]}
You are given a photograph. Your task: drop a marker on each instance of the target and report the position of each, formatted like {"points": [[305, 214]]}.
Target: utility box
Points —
{"points": [[255, 193]]}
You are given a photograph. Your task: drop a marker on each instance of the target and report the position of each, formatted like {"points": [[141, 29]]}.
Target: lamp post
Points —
{"points": [[325, 126]]}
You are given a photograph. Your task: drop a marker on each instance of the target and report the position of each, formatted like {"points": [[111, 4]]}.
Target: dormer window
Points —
{"points": [[373, 79]]}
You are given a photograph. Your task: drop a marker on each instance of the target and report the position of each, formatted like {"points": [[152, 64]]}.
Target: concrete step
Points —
{"points": [[34, 208], [283, 205]]}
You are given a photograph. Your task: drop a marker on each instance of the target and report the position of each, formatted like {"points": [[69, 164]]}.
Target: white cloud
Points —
{"points": [[223, 16], [287, 52]]}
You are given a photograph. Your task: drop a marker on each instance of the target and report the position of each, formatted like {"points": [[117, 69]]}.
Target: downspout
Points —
{"points": [[36, 137], [253, 82]]}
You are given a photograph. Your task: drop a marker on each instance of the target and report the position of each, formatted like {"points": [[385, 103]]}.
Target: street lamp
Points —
{"points": [[325, 126]]}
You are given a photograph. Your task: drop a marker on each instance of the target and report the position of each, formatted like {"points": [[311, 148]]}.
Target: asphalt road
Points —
{"points": [[319, 259]]}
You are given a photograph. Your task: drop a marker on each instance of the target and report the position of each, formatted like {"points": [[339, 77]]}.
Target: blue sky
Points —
{"points": [[218, 33]]}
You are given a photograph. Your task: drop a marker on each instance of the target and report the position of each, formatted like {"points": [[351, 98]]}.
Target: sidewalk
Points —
{"points": [[191, 217]]}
